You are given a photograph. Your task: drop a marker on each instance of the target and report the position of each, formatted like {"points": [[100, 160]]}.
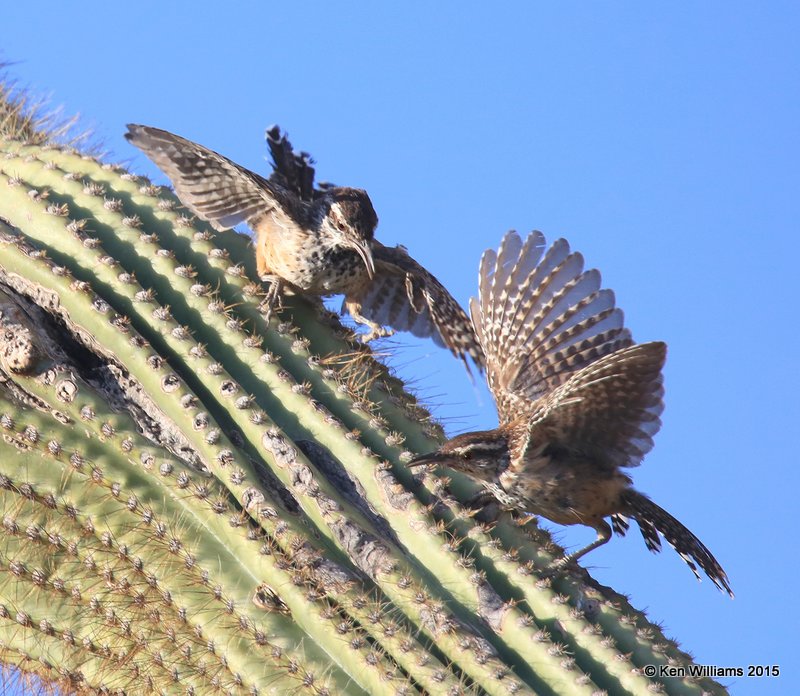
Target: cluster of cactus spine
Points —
{"points": [[197, 500]]}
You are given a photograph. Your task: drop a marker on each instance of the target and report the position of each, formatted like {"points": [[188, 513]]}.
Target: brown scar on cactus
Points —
{"points": [[19, 351]]}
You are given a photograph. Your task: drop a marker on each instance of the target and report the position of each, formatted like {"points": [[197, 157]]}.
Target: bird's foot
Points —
{"points": [[603, 535], [376, 331], [272, 299]]}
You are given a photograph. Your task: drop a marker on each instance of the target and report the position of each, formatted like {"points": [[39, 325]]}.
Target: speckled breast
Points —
{"points": [[311, 265], [331, 271]]}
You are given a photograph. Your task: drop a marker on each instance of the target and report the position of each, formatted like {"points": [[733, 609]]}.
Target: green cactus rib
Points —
{"points": [[21, 673], [61, 556], [615, 623], [82, 623], [595, 651], [177, 585], [124, 490], [97, 624], [504, 554], [43, 654], [514, 630], [481, 668], [164, 655], [170, 579], [177, 479]]}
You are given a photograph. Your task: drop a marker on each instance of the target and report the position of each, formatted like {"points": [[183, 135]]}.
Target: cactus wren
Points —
{"points": [[577, 401], [316, 239]]}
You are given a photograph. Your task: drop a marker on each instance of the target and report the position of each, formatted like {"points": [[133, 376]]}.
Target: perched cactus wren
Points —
{"points": [[577, 399], [313, 239]]}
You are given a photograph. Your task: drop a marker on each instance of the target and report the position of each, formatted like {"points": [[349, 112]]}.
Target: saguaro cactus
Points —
{"points": [[196, 500]]}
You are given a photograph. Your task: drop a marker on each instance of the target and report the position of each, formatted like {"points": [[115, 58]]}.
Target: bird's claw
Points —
{"points": [[376, 331]]}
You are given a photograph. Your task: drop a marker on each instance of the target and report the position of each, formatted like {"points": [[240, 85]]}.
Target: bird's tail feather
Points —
{"points": [[294, 169], [653, 519]]}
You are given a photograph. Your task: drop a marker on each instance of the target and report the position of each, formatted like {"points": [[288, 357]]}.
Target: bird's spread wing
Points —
{"points": [[540, 318], [559, 357], [292, 170], [608, 410], [213, 187], [406, 297]]}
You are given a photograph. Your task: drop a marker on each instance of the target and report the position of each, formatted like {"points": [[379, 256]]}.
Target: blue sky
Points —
{"points": [[661, 140]]}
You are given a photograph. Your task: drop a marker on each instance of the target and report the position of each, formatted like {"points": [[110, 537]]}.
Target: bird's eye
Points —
{"points": [[466, 454]]}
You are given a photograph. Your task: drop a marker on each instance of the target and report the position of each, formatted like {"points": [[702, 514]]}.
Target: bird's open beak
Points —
{"points": [[424, 459], [366, 256]]}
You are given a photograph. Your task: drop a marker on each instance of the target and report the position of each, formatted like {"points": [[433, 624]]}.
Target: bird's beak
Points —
{"points": [[365, 253], [435, 457]]}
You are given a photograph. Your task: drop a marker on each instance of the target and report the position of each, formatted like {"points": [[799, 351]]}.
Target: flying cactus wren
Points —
{"points": [[316, 239], [577, 400]]}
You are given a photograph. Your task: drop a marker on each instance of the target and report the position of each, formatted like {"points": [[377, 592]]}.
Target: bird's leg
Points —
{"points": [[376, 330], [603, 535], [272, 300]]}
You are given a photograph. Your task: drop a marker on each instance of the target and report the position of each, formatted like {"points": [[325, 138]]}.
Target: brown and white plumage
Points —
{"points": [[577, 399], [213, 187], [407, 297], [315, 239], [319, 246]]}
